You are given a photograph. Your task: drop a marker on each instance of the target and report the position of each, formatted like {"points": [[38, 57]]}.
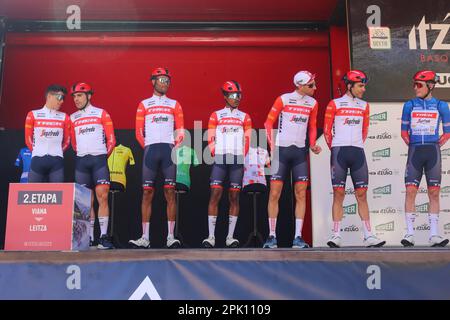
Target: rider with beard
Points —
{"points": [[156, 119], [93, 140]]}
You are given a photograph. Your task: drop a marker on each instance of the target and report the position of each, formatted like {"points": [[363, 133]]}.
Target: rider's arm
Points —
{"points": [[444, 111], [140, 124], [406, 121], [328, 123], [247, 133], [212, 125], [312, 125], [366, 119], [271, 118], [29, 130], [67, 133], [109, 132], [179, 124]]}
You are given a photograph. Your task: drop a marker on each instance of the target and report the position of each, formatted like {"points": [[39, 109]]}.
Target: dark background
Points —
{"points": [[390, 71]]}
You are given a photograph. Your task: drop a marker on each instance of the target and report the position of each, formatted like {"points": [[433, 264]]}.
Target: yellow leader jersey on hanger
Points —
{"points": [[117, 163]]}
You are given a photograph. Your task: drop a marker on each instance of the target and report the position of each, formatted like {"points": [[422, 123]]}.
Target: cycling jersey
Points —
{"points": [[90, 128], [254, 165], [186, 157], [156, 119], [421, 118], [47, 132], [24, 160], [350, 119], [226, 131], [117, 163], [296, 114]]}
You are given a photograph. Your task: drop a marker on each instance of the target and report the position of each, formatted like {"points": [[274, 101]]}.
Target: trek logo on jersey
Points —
{"points": [[49, 133], [298, 119], [383, 190], [51, 124], [92, 120], [351, 228], [230, 121], [423, 208], [230, 130], [159, 119], [379, 116], [351, 122], [153, 110], [388, 226], [350, 209], [383, 153], [424, 115], [86, 130]]}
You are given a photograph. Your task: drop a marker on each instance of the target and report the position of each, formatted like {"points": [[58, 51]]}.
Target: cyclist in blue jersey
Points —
{"points": [[420, 130]]}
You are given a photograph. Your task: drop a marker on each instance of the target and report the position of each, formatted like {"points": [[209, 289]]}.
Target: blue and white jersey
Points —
{"points": [[24, 160], [421, 118]]}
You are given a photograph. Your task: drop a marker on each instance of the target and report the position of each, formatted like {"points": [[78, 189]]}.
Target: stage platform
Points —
{"points": [[198, 274]]}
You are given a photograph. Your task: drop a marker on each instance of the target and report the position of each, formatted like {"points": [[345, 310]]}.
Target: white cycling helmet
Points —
{"points": [[302, 78]]}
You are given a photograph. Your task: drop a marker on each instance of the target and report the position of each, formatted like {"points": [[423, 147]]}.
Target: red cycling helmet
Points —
{"points": [[425, 75], [81, 87], [160, 72], [230, 87], [354, 76]]}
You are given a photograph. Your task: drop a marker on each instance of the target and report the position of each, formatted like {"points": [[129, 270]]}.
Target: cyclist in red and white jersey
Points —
{"points": [[345, 129], [93, 140], [156, 119], [47, 135], [229, 131], [296, 112]]}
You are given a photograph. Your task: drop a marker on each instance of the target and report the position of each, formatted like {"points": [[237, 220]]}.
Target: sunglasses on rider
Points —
{"points": [[418, 85], [234, 95], [59, 96], [311, 85], [163, 80]]}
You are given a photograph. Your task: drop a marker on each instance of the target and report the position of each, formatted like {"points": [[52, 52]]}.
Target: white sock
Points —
{"points": [[170, 228], [433, 219], [211, 225], [146, 230], [410, 218], [367, 230], [337, 228], [103, 225], [231, 225], [272, 226], [298, 227], [91, 229]]}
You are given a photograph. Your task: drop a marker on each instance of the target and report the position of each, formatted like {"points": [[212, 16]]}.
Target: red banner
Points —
{"points": [[40, 216]]}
